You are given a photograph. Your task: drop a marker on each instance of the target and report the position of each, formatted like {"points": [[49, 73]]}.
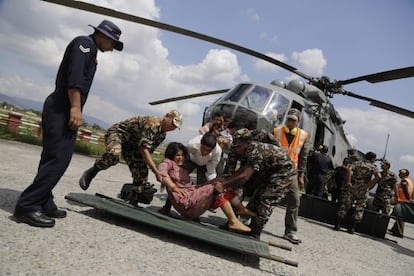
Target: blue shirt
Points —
{"points": [[76, 70]]}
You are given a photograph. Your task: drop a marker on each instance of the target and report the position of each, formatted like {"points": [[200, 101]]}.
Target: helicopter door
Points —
{"points": [[307, 123], [319, 135]]}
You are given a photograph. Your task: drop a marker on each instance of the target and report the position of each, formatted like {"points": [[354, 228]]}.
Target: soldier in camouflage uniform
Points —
{"points": [[272, 169], [383, 195], [258, 135], [355, 191], [134, 139]]}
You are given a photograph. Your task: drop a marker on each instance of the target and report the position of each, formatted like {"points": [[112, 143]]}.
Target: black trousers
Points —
{"points": [[201, 170], [58, 146]]}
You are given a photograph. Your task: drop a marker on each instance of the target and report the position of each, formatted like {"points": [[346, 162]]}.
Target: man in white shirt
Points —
{"points": [[204, 155]]}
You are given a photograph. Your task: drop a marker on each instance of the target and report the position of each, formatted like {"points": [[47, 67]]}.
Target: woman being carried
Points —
{"points": [[192, 201]]}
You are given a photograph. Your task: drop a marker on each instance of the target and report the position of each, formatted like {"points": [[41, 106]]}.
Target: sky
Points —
{"points": [[339, 39]]}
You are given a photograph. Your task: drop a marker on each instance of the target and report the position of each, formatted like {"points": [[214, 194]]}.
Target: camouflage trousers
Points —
{"points": [[382, 204], [349, 200], [268, 193], [115, 149]]}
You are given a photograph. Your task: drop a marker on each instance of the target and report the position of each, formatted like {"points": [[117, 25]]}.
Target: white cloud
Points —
{"points": [[262, 65], [125, 82], [218, 69], [24, 88], [370, 128], [409, 159], [311, 61]]}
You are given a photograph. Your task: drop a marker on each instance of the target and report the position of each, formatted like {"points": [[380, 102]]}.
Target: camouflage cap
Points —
{"points": [[386, 162], [177, 117], [293, 114], [241, 135]]}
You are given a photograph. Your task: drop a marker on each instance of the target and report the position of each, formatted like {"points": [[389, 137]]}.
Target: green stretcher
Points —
{"points": [[404, 211], [201, 232]]}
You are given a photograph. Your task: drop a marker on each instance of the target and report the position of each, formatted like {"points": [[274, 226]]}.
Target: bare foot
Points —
{"points": [[246, 212], [238, 227]]}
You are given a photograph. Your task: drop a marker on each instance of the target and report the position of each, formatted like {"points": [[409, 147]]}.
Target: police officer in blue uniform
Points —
{"points": [[61, 117]]}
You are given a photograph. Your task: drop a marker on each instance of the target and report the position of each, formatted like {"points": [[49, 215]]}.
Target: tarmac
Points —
{"points": [[92, 242]]}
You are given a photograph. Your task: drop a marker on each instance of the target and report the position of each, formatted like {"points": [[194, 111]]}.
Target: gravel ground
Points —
{"points": [[91, 242]]}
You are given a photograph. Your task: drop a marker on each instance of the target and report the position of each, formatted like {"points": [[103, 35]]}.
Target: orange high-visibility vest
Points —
{"points": [[400, 191], [293, 150]]}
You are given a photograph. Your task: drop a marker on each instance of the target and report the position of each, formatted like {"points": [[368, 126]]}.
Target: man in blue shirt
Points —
{"points": [[61, 117]]}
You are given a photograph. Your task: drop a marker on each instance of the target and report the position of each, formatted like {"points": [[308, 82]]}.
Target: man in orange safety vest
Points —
{"points": [[294, 141]]}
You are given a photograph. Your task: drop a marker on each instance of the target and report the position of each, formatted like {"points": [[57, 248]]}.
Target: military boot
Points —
{"points": [[143, 193], [256, 229], [166, 208], [87, 177], [351, 229], [337, 226]]}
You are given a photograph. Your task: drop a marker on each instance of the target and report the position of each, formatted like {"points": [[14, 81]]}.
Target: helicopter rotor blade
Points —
{"points": [[335, 87], [189, 96], [132, 18], [381, 104], [400, 73]]}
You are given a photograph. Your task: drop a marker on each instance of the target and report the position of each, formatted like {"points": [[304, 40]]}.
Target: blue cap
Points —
{"points": [[112, 31]]}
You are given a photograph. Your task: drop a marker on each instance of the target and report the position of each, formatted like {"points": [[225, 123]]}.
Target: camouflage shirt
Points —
{"points": [[259, 135], [386, 185], [362, 172], [140, 131], [268, 160]]}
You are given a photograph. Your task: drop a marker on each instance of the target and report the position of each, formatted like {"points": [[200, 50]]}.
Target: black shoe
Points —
{"points": [[337, 227], [256, 230], [255, 234], [55, 213], [395, 234], [164, 210], [35, 218], [87, 177]]}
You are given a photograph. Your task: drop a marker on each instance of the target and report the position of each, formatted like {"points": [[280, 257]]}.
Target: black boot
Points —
{"points": [[351, 229], [166, 208], [256, 229], [337, 226], [87, 177]]}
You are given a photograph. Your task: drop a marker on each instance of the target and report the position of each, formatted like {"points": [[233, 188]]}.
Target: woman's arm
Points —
{"points": [[171, 186]]}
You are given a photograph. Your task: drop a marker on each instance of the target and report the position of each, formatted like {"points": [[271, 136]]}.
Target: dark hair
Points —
{"points": [[323, 148], [209, 139], [173, 148], [218, 114], [370, 156], [346, 161]]}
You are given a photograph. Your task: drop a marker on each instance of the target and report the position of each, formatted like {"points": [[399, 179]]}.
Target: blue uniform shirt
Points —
{"points": [[76, 70]]}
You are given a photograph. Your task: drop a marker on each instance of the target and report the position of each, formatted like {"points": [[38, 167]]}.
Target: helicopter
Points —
{"points": [[265, 106]]}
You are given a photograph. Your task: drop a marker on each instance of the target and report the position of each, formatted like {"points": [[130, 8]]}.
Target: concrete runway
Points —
{"points": [[90, 242]]}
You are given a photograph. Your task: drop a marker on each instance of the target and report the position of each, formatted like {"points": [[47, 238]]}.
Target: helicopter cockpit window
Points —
{"points": [[257, 98], [236, 93], [277, 108]]}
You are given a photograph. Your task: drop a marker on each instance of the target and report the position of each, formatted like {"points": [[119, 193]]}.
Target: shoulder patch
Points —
{"points": [[83, 49]]}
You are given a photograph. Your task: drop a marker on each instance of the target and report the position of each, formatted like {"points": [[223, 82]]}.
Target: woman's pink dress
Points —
{"points": [[198, 200]]}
